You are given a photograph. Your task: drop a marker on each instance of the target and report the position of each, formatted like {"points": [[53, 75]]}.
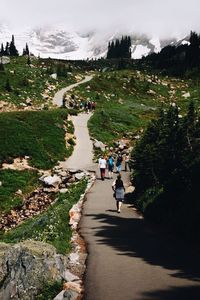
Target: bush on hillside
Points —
{"points": [[167, 168]]}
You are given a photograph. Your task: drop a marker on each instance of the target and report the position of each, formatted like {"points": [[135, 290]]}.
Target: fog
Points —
{"points": [[151, 17]]}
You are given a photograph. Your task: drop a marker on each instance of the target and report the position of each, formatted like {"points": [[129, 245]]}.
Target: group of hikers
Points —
{"points": [[109, 163], [87, 106]]}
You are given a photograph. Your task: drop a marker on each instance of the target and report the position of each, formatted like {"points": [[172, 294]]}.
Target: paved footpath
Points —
{"points": [[129, 259]]}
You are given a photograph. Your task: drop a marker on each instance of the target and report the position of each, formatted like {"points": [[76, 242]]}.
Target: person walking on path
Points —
{"points": [[119, 190], [110, 164], [119, 162], [127, 160], [102, 166]]}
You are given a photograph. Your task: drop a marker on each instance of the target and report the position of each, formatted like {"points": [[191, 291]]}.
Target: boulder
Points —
{"points": [[24, 268], [51, 180], [5, 60], [79, 176]]}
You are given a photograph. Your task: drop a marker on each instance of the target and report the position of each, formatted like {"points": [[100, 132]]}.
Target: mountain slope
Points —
{"points": [[69, 44]]}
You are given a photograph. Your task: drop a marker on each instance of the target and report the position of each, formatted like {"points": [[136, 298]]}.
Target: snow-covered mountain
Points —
{"points": [[68, 44]]}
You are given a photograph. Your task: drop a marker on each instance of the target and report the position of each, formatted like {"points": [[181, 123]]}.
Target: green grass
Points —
{"points": [[52, 226], [31, 81], [124, 103], [39, 135], [12, 181]]}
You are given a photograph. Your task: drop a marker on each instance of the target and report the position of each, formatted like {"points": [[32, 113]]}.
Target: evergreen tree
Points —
{"points": [[2, 50], [119, 48], [13, 50], [7, 49]]}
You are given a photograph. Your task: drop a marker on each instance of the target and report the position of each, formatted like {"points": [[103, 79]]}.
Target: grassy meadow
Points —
{"points": [[37, 134], [127, 100]]}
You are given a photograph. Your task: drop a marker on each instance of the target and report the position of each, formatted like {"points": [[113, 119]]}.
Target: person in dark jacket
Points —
{"points": [[119, 190]]}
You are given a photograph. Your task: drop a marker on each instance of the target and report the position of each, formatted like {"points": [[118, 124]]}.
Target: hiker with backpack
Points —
{"points": [[119, 162], [110, 164]]}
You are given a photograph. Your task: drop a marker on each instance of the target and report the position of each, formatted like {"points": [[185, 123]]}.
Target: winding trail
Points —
{"points": [[129, 259], [58, 97]]}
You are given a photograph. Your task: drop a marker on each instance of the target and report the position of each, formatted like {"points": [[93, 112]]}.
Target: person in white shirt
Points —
{"points": [[102, 166]]}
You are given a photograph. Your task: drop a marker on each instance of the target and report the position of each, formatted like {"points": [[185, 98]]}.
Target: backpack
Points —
{"points": [[110, 162]]}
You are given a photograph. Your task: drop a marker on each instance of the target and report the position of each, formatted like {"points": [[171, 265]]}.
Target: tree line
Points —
{"points": [[167, 170], [182, 60], [119, 48], [10, 49]]}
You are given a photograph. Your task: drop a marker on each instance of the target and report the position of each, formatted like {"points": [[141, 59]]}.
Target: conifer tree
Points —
{"points": [[7, 49], [2, 50], [13, 50]]}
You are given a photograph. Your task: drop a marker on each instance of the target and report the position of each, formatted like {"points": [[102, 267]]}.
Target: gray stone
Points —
{"points": [[80, 176], [71, 295], [63, 191], [5, 60], [68, 276], [50, 180], [54, 76], [24, 268]]}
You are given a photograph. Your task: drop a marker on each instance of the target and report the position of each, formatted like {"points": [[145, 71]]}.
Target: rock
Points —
{"points": [[50, 180], [186, 95], [5, 60], [63, 191], [67, 295], [74, 258], [68, 276], [54, 76], [151, 92], [79, 176], [24, 268], [28, 101], [19, 192], [74, 286]]}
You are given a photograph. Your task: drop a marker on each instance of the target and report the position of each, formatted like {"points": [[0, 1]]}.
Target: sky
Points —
{"points": [[164, 18]]}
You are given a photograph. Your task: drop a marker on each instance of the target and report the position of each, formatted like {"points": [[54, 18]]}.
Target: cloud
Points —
{"points": [[153, 17]]}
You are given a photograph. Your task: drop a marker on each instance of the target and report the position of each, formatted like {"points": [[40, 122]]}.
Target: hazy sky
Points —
{"points": [[155, 17]]}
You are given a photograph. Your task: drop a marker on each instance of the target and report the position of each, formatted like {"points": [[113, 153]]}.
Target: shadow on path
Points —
{"points": [[136, 238], [176, 293]]}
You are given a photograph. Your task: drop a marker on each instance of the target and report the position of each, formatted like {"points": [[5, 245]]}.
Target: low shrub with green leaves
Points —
{"points": [[51, 226], [11, 182], [38, 134]]}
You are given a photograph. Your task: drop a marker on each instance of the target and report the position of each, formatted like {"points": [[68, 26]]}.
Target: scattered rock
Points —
{"points": [[186, 95], [54, 76], [63, 191], [51, 180]]}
